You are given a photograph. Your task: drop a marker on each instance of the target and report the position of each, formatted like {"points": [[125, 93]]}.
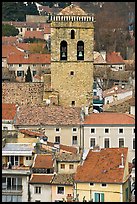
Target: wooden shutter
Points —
{"points": [[102, 197]]}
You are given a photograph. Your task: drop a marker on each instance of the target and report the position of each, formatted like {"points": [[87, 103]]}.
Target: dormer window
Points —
{"points": [[63, 50], [80, 50], [72, 34]]}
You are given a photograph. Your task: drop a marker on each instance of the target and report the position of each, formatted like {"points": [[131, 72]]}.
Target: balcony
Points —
{"points": [[14, 188], [25, 170]]}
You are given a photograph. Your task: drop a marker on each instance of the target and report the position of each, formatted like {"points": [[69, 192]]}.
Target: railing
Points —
{"points": [[12, 188]]}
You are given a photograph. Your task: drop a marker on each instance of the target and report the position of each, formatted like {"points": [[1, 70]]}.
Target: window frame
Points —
{"points": [[62, 165], [64, 45], [20, 71], [57, 137], [108, 130], [123, 139], [37, 190], [75, 131], [74, 143], [109, 142], [57, 192], [71, 166], [90, 142], [120, 132], [94, 130], [104, 186], [58, 130]]}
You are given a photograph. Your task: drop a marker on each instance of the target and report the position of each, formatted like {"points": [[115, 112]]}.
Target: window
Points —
{"points": [[38, 189], [121, 142], [12, 183], [80, 50], [106, 130], [91, 184], [5, 128], [57, 139], [74, 129], [103, 184], [72, 73], [74, 140], [34, 73], [62, 166], [92, 130], [20, 73], [72, 34], [92, 142], [133, 143], [28, 158], [73, 103], [14, 160], [63, 50], [94, 93], [133, 130], [106, 143], [120, 130], [57, 130], [99, 197], [20, 65], [60, 190], [71, 166]]}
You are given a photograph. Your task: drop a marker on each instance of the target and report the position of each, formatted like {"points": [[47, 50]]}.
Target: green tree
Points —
{"points": [[9, 30], [28, 76]]}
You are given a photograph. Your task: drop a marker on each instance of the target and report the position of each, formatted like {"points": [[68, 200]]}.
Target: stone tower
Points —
{"points": [[72, 38]]}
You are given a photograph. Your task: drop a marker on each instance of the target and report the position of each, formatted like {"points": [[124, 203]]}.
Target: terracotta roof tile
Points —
{"points": [[114, 58], [47, 115], [68, 157], [32, 59], [43, 161], [34, 34], [102, 166], [9, 40], [10, 50], [72, 10], [31, 133], [47, 30], [41, 178], [64, 179], [8, 111], [109, 118], [29, 46]]}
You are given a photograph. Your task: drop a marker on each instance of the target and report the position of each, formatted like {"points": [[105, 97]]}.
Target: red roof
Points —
{"points": [[43, 161], [32, 34], [8, 111], [109, 118], [28, 46], [47, 30], [31, 133], [102, 166], [9, 40], [10, 50], [32, 59], [114, 58], [41, 178]]}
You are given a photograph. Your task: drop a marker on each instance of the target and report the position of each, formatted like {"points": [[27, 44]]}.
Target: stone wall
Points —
{"points": [[36, 18], [22, 93]]}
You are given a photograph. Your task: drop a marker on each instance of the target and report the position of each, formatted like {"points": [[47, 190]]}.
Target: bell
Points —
{"points": [[63, 54], [80, 54]]}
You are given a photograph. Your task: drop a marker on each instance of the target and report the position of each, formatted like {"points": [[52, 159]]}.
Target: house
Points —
{"points": [[103, 176], [62, 124], [8, 116], [17, 159], [110, 129], [115, 61], [38, 63], [116, 93]]}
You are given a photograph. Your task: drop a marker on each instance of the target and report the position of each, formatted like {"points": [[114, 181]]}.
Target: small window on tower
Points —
{"points": [[71, 73], [72, 34], [73, 103]]}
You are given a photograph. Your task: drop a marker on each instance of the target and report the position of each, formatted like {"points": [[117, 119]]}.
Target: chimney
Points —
{"points": [[103, 53], [122, 161]]}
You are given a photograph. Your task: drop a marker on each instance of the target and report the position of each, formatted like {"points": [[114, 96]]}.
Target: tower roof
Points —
{"points": [[72, 10]]}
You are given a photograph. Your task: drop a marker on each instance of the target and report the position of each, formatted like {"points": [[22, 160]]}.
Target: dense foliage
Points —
{"points": [[9, 30]]}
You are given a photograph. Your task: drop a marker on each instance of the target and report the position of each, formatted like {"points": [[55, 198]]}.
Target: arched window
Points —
{"points": [[80, 50], [72, 34], [63, 50]]}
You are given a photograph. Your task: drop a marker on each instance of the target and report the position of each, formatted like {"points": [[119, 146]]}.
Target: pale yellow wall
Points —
{"points": [[55, 196], [67, 170], [84, 189]]}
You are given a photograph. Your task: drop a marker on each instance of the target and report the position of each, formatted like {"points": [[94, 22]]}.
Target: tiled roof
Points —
{"points": [[25, 24], [31, 133], [72, 10], [114, 58], [48, 115], [98, 59], [68, 157], [63, 148], [41, 178], [9, 40], [34, 34], [32, 59], [8, 111], [43, 161], [10, 50], [115, 90], [102, 166], [109, 118], [64, 179], [47, 30], [29, 46]]}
